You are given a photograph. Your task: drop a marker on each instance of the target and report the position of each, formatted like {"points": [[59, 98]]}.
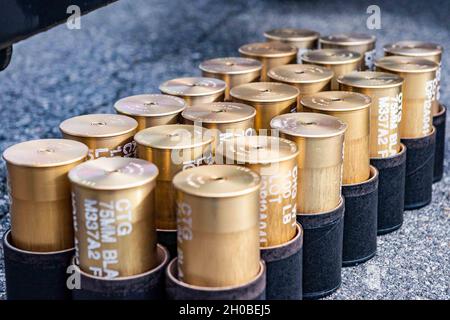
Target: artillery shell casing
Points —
{"points": [[106, 135], [385, 90], [218, 225], [114, 221], [418, 90], [41, 213], [320, 140], [271, 54], [233, 70], [150, 110], [275, 160], [172, 148]]}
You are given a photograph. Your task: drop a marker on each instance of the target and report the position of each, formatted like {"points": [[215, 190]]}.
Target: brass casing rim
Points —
{"points": [[441, 110], [7, 242], [326, 39], [192, 118], [341, 203], [262, 100], [304, 101], [276, 77], [392, 48], [373, 176], [306, 59], [314, 35], [342, 80], [147, 115], [298, 234], [293, 52], [165, 230], [433, 66], [429, 134], [167, 90], [402, 150], [249, 70]]}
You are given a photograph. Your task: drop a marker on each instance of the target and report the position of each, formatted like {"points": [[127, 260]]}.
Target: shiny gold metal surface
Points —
{"points": [[271, 54], [172, 148], [385, 90], [307, 78], [150, 110], [218, 225], [418, 91], [302, 39], [275, 160], [233, 70], [270, 99], [357, 42], [340, 61], [425, 50], [320, 140], [195, 89], [106, 135], [39, 190], [354, 110], [114, 220]]}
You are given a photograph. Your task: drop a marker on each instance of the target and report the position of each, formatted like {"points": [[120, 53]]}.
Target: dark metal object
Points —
{"points": [[5, 57], [168, 238], [439, 123]]}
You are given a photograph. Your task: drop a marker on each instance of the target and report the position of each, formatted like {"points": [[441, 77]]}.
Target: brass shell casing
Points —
{"points": [[172, 148], [106, 135], [308, 79], [114, 220], [39, 190], [275, 160], [233, 70], [150, 110], [320, 140], [271, 54], [195, 90], [218, 225], [385, 90], [357, 42], [270, 99], [339, 61], [425, 50], [302, 39], [354, 110], [419, 77]]}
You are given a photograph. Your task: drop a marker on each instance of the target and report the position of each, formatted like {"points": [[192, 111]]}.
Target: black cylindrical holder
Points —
{"points": [[168, 238], [439, 123], [419, 170], [360, 222], [178, 290], [145, 286], [322, 252], [391, 190], [284, 269], [35, 275]]}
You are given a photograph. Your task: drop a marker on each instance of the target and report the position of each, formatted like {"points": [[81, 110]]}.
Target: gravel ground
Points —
{"points": [[132, 46]]}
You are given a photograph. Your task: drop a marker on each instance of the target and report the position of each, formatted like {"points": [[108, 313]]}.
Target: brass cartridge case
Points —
{"points": [[270, 99], [302, 39], [425, 50], [320, 140], [419, 77], [357, 42], [172, 148], [195, 90], [114, 221], [233, 70], [385, 90], [271, 54], [218, 225], [106, 135], [39, 190], [354, 110], [339, 61], [275, 160], [307, 78], [150, 110]]}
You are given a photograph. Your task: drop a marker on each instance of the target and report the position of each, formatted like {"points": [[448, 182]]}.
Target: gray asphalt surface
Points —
{"points": [[132, 46]]}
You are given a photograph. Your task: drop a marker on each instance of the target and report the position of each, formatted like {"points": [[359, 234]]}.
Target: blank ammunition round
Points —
{"points": [[195, 89], [275, 160], [340, 61], [354, 110], [39, 190], [419, 77], [114, 220], [218, 225], [357, 42], [271, 54], [106, 135], [385, 90], [270, 99], [172, 148], [302, 39], [423, 50], [233, 70], [150, 110], [320, 140], [307, 78]]}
